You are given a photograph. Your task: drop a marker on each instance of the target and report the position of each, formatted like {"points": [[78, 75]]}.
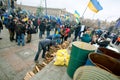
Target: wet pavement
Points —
{"points": [[16, 61]]}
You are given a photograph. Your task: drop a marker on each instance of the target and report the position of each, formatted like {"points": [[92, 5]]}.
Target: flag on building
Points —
{"points": [[95, 6]]}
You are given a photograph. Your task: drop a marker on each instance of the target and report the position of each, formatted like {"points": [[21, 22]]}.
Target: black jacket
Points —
{"points": [[77, 29], [42, 26], [20, 29], [1, 25]]}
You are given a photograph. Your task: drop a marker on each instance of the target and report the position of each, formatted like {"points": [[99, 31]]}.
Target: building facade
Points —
{"points": [[50, 11]]}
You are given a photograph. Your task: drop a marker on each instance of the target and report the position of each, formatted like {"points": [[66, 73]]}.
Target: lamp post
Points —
{"points": [[46, 7], [8, 4]]}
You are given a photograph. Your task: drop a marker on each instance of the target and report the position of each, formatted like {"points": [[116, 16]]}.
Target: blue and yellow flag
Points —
{"points": [[94, 5], [77, 20], [76, 14], [67, 17]]}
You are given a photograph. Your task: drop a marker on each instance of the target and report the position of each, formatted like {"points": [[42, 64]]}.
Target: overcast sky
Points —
{"points": [[111, 8]]}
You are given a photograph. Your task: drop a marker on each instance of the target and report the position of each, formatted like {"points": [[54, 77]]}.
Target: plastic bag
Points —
{"points": [[59, 61], [62, 57]]}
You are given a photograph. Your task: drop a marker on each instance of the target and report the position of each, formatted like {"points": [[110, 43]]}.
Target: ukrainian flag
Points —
{"points": [[76, 14], [77, 20], [94, 5], [67, 17]]}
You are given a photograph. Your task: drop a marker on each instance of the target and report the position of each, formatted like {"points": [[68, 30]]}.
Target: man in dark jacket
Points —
{"points": [[20, 32], [1, 27], [48, 28], [77, 31], [44, 45], [11, 27], [42, 28]]}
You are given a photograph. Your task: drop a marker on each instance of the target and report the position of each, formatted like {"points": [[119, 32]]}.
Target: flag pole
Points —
{"points": [[93, 16], [85, 11]]}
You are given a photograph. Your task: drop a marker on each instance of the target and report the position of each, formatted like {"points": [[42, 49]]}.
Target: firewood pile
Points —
{"points": [[48, 58]]}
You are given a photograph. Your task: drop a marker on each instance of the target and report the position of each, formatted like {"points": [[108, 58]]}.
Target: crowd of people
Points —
{"points": [[20, 25]]}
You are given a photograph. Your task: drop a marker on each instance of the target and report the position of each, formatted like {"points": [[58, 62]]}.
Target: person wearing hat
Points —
{"points": [[44, 45], [11, 27]]}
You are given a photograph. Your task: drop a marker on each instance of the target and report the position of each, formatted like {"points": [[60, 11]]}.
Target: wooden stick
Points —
{"points": [[44, 63], [37, 68], [31, 73], [27, 77]]}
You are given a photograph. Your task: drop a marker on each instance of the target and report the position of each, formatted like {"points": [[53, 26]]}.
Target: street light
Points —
{"points": [[46, 6]]}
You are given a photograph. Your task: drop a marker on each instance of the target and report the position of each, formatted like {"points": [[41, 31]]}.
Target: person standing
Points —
{"points": [[1, 27], [77, 31], [48, 28], [20, 31], [42, 28], [11, 27], [29, 31], [67, 31]]}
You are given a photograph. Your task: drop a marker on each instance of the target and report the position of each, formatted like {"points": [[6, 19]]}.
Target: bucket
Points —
{"points": [[109, 52], [106, 62], [93, 73], [89, 62], [79, 55]]}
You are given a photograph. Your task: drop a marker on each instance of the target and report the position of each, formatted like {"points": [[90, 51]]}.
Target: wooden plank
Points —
{"points": [[37, 68], [27, 77], [44, 63], [31, 73]]}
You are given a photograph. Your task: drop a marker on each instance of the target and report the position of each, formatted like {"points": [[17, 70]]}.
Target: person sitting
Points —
{"points": [[103, 42]]}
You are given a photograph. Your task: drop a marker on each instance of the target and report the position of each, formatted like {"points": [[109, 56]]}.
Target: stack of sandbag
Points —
{"points": [[62, 58]]}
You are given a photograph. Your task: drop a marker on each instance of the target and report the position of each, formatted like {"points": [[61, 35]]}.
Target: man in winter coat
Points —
{"points": [[44, 45], [1, 27]]}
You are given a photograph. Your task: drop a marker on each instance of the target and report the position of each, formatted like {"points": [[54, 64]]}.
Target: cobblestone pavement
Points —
{"points": [[16, 61]]}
